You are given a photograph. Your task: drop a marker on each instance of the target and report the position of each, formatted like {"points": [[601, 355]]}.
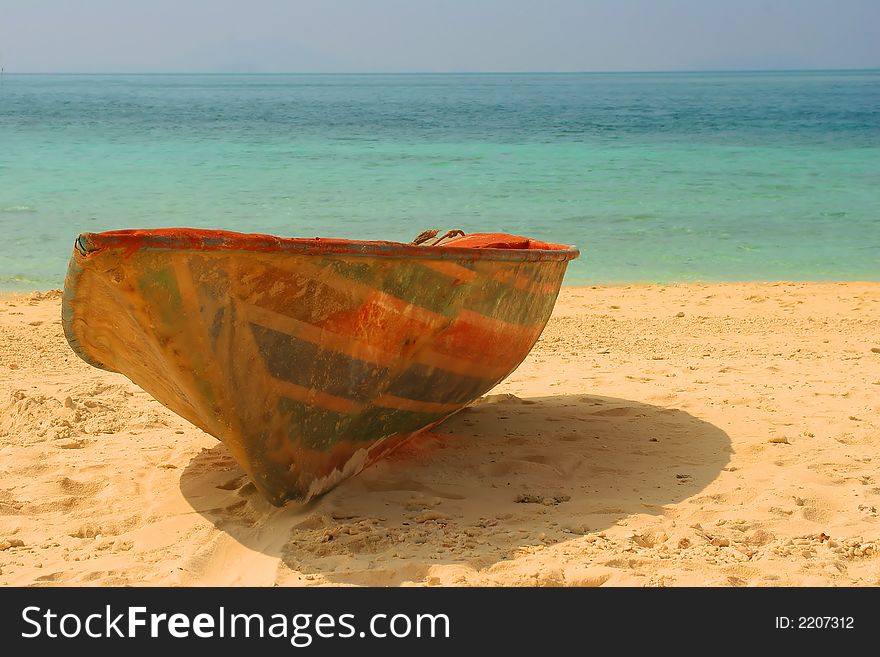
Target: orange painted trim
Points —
{"points": [[478, 246], [314, 397]]}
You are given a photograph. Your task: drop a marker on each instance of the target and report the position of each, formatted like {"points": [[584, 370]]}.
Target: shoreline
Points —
{"points": [[5, 294], [718, 434], [12, 295]]}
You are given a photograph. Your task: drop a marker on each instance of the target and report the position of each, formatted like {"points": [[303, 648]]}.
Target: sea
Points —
{"points": [[656, 177]]}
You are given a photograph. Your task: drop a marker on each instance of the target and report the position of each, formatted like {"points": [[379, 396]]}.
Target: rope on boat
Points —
{"points": [[426, 235]]}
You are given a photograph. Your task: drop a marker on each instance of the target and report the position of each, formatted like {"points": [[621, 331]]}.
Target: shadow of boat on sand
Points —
{"points": [[502, 478]]}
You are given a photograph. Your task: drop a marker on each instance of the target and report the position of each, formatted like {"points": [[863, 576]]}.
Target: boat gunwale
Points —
{"points": [[88, 243]]}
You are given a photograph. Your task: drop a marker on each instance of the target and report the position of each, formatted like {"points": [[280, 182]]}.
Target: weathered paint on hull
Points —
{"points": [[309, 359]]}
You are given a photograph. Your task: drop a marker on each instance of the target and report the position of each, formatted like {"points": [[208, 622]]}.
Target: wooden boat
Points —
{"points": [[308, 358]]}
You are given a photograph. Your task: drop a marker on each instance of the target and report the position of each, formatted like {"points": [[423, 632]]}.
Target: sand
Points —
{"points": [[722, 435]]}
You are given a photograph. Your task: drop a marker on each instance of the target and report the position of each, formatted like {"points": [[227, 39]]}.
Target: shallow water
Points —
{"points": [[657, 177]]}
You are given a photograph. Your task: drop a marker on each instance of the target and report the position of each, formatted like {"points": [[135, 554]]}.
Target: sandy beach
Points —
{"points": [[722, 435]]}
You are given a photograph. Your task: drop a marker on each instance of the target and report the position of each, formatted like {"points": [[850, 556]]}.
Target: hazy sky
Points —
{"points": [[436, 35]]}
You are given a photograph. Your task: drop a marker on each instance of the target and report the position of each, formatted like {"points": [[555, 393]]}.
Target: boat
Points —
{"points": [[309, 358]]}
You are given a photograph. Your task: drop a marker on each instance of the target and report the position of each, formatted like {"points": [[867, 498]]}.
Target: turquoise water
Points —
{"points": [[658, 177]]}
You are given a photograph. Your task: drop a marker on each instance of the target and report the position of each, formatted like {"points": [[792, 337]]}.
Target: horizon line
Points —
{"points": [[487, 72]]}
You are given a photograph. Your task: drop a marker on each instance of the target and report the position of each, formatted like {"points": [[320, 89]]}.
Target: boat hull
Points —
{"points": [[309, 359]]}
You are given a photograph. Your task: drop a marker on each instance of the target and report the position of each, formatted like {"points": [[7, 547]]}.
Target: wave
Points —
{"points": [[18, 209]]}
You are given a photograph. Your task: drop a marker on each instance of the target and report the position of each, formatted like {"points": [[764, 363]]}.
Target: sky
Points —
{"points": [[436, 35]]}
